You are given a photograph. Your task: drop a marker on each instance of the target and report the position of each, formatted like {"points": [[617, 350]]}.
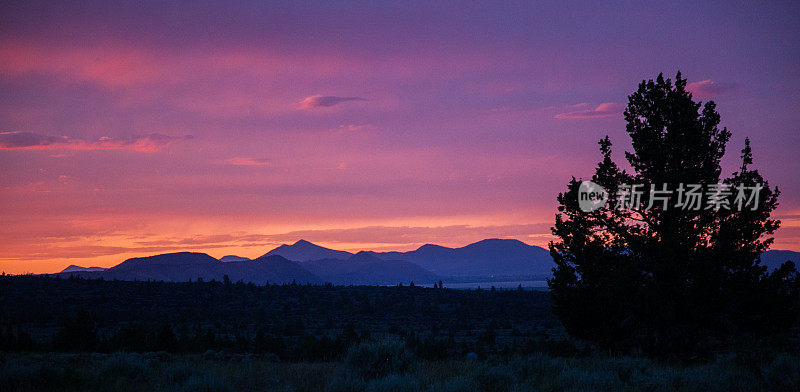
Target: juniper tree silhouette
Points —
{"points": [[77, 333], [669, 279]]}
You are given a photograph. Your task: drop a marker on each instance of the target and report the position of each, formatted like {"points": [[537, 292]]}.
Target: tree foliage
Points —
{"points": [[670, 279]]}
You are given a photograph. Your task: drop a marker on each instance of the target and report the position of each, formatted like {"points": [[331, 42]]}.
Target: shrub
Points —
{"points": [[378, 359], [589, 379], [270, 357], [206, 383], [161, 356], [537, 366], [783, 373], [210, 355], [346, 384], [179, 373], [493, 378], [19, 375], [453, 385], [393, 383], [126, 366]]}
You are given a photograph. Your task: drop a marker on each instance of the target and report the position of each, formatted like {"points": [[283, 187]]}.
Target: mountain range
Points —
{"points": [[305, 251], [491, 257], [183, 266], [364, 268], [773, 259], [304, 262]]}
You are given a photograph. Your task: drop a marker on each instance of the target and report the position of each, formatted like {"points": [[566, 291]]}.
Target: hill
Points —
{"points": [[76, 268], [305, 251], [184, 266], [773, 259], [364, 268], [229, 258], [490, 257], [306, 262]]}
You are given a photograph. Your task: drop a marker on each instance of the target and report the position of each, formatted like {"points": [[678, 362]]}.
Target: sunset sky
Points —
{"points": [[129, 129]]}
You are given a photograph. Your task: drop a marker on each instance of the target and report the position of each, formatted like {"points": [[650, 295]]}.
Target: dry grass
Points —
{"points": [[134, 372]]}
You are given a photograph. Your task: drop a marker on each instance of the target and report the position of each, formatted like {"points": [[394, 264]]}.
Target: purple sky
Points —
{"points": [[130, 129]]}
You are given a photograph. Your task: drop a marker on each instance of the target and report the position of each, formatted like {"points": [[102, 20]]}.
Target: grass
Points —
{"points": [[122, 372]]}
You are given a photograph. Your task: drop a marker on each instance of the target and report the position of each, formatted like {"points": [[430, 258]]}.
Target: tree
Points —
{"points": [[663, 275], [76, 333]]}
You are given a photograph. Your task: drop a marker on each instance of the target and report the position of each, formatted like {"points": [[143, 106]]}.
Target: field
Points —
{"points": [[122, 372], [75, 334], [294, 322]]}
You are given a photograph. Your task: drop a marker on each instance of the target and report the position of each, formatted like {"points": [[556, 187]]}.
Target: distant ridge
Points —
{"points": [[486, 258], [304, 262], [364, 268], [230, 258], [773, 259], [490, 257], [305, 251], [184, 266], [75, 268]]}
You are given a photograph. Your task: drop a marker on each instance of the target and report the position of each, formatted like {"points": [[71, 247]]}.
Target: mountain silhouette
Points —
{"points": [[317, 264], [171, 267], [490, 257], [268, 269], [306, 262], [364, 268], [183, 266], [773, 259], [75, 268], [305, 251], [230, 258]]}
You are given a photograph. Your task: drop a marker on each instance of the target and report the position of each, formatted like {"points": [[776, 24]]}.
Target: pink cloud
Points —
{"points": [[17, 140], [607, 109], [317, 101], [707, 89], [108, 66], [352, 128], [242, 161]]}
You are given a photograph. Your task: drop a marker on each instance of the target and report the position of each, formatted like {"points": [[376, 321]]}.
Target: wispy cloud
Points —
{"points": [[352, 128], [18, 140], [606, 109], [243, 161], [320, 101], [707, 88]]}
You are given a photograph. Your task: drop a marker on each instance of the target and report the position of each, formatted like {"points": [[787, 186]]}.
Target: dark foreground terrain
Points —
{"points": [[122, 372], [93, 335], [293, 322]]}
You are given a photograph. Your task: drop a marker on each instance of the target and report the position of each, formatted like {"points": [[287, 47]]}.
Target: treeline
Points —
{"points": [[293, 322], [79, 334]]}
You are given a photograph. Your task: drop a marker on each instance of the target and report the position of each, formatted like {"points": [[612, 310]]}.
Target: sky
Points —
{"points": [[129, 129]]}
